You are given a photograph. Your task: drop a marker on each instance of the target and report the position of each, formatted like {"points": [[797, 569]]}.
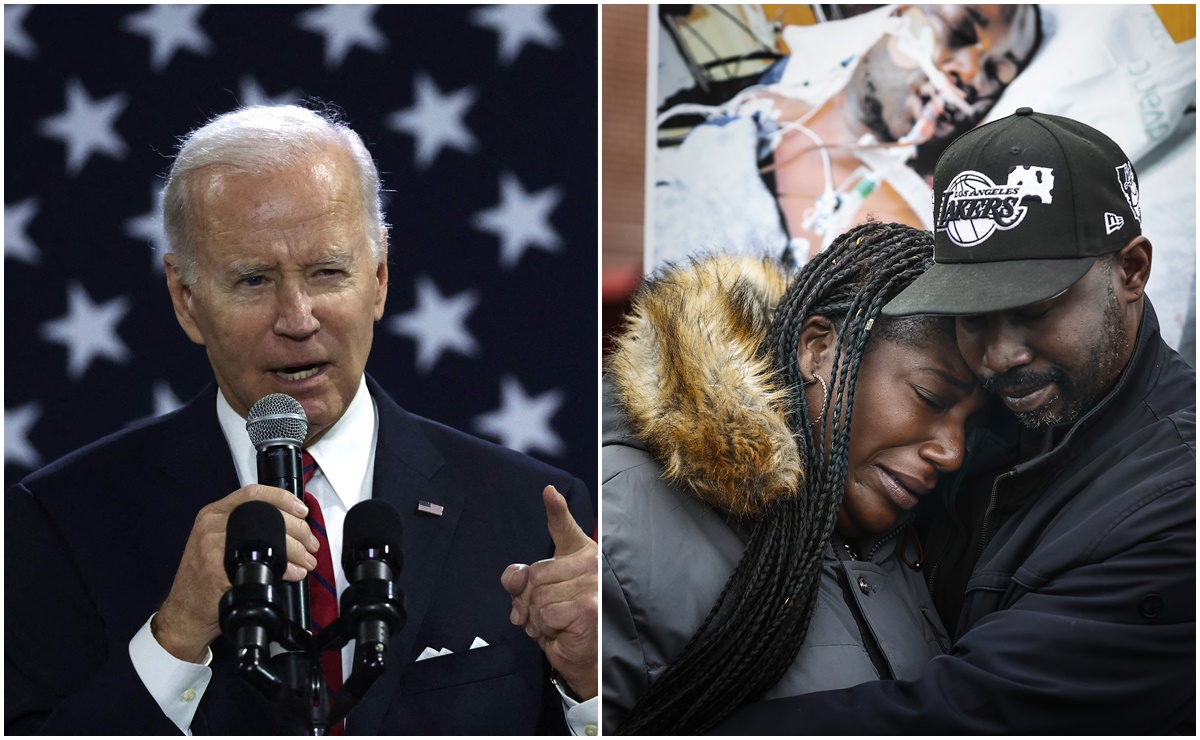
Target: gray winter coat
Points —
{"points": [[667, 553]]}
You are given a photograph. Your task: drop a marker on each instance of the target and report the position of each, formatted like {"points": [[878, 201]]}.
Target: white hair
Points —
{"points": [[259, 139]]}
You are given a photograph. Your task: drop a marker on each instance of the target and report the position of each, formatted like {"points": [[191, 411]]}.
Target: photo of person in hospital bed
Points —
{"points": [[846, 126]]}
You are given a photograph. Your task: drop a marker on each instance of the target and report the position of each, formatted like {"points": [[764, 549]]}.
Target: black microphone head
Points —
{"points": [[373, 524], [277, 419], [256, 528]]}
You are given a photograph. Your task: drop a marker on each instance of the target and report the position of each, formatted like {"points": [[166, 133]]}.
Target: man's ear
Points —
{"points": [[182, 299], [1133, 268], [381, 277], [818, 339]]}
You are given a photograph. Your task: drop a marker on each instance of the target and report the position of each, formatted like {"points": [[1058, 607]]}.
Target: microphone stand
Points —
{"points": [[371, 609], [299, 666], [294, 679]]}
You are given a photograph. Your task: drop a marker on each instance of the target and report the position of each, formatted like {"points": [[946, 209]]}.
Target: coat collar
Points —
{"points": [[696, 391]]}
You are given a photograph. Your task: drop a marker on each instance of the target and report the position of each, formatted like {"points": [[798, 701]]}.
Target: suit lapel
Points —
{"points": [[195, 454], [406, 464]]}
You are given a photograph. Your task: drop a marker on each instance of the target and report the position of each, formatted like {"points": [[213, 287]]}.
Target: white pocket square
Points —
{"points": [[429, 652]]}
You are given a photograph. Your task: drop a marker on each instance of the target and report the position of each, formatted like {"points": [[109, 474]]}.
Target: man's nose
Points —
{"points": [[963, 60], [1004, 347], [294, 312]]}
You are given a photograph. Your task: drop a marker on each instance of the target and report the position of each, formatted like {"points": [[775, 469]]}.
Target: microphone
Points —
{"points": [[372, 604], [278, 426], [255, 558]]}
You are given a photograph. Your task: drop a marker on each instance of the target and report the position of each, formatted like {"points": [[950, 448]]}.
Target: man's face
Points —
{"points": [[978, 48], [1052, 361], [287, 290]]}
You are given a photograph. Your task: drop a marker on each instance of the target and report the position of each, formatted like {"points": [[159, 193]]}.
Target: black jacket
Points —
{"points": [[92, 543], [1080, 614]]}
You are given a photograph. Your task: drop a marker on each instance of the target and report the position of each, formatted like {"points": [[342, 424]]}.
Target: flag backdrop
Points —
{"points": [[482, 121]]}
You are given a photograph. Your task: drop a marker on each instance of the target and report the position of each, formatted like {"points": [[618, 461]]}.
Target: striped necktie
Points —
{"points": [[322, 589]]}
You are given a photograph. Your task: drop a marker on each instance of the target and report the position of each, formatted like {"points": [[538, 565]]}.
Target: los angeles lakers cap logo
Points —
{"points": [[973, 207]]}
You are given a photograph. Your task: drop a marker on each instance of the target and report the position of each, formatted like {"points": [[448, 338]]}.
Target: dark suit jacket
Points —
{"points": [[92, 543]]}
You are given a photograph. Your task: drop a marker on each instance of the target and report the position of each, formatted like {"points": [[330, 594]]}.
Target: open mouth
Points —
{"points": [[949, 116], [301, 372], [934, 115]]}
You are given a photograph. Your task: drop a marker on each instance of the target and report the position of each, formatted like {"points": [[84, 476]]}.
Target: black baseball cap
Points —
{"points": [[1022, 208]]}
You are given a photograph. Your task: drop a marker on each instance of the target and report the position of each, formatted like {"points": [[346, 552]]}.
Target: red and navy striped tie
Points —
{"points": [[322, 589]]}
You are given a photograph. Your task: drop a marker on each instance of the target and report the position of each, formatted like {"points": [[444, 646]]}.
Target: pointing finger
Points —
{"points": [[565, 531]]}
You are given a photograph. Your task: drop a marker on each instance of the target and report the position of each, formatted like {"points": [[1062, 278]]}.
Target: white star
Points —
{"points": [[436, 120], [16, 39], [89, 330], [86, 126], [18, 423], [343, 26], [523, 423], [517, 25], [169, 28], [148, 227], [17, 243], [253, 94], [521, 220], [437, 323], [165, 400]]}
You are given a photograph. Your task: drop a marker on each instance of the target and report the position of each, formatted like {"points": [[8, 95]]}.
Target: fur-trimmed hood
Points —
{"points": [[689, 379]]}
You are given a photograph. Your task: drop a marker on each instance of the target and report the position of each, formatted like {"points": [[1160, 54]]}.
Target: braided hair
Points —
{"points": [[757, 624]]}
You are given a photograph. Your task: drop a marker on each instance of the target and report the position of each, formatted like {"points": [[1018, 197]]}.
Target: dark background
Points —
{"points": [[535, 117]]}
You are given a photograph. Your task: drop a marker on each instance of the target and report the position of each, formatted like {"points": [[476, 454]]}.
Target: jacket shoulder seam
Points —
{"points": [[1135, 506]]}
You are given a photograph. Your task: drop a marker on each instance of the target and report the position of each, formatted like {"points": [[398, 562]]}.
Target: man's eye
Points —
{"points": [[1002, 71], [1033, 315], [962, 36], [254, 281]]}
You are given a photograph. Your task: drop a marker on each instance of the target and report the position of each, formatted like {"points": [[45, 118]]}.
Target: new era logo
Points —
{"points": [[1112, 222]]}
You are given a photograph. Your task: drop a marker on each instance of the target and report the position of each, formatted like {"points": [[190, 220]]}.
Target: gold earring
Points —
{"points": [[824, 399]]}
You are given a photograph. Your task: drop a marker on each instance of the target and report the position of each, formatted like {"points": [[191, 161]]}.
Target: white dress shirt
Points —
{"points": [[345, 458]]}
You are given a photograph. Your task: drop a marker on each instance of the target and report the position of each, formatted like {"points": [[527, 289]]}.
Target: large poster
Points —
{"points": [[776, 137]]}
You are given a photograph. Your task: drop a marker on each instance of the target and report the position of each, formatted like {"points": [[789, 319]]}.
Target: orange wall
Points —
{"points": [[1180, 20]]}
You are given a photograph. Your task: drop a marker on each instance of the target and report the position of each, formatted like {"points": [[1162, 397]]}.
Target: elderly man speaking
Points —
{"points": [[279, 270]]}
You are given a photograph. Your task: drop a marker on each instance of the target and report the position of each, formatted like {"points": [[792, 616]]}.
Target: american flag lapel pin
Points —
{"points": [[429, 508]]}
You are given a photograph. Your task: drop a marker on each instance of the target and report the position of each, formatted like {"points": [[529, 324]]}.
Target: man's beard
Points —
{"points": [[1079, 394], [925, 160], [872, 110]]}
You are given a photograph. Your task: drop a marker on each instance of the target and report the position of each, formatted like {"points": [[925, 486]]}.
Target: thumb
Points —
{"points": [[564, 530], [514, 579]]}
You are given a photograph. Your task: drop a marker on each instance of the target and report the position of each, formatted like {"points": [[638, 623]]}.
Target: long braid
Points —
{"points": [[756, 626]]}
